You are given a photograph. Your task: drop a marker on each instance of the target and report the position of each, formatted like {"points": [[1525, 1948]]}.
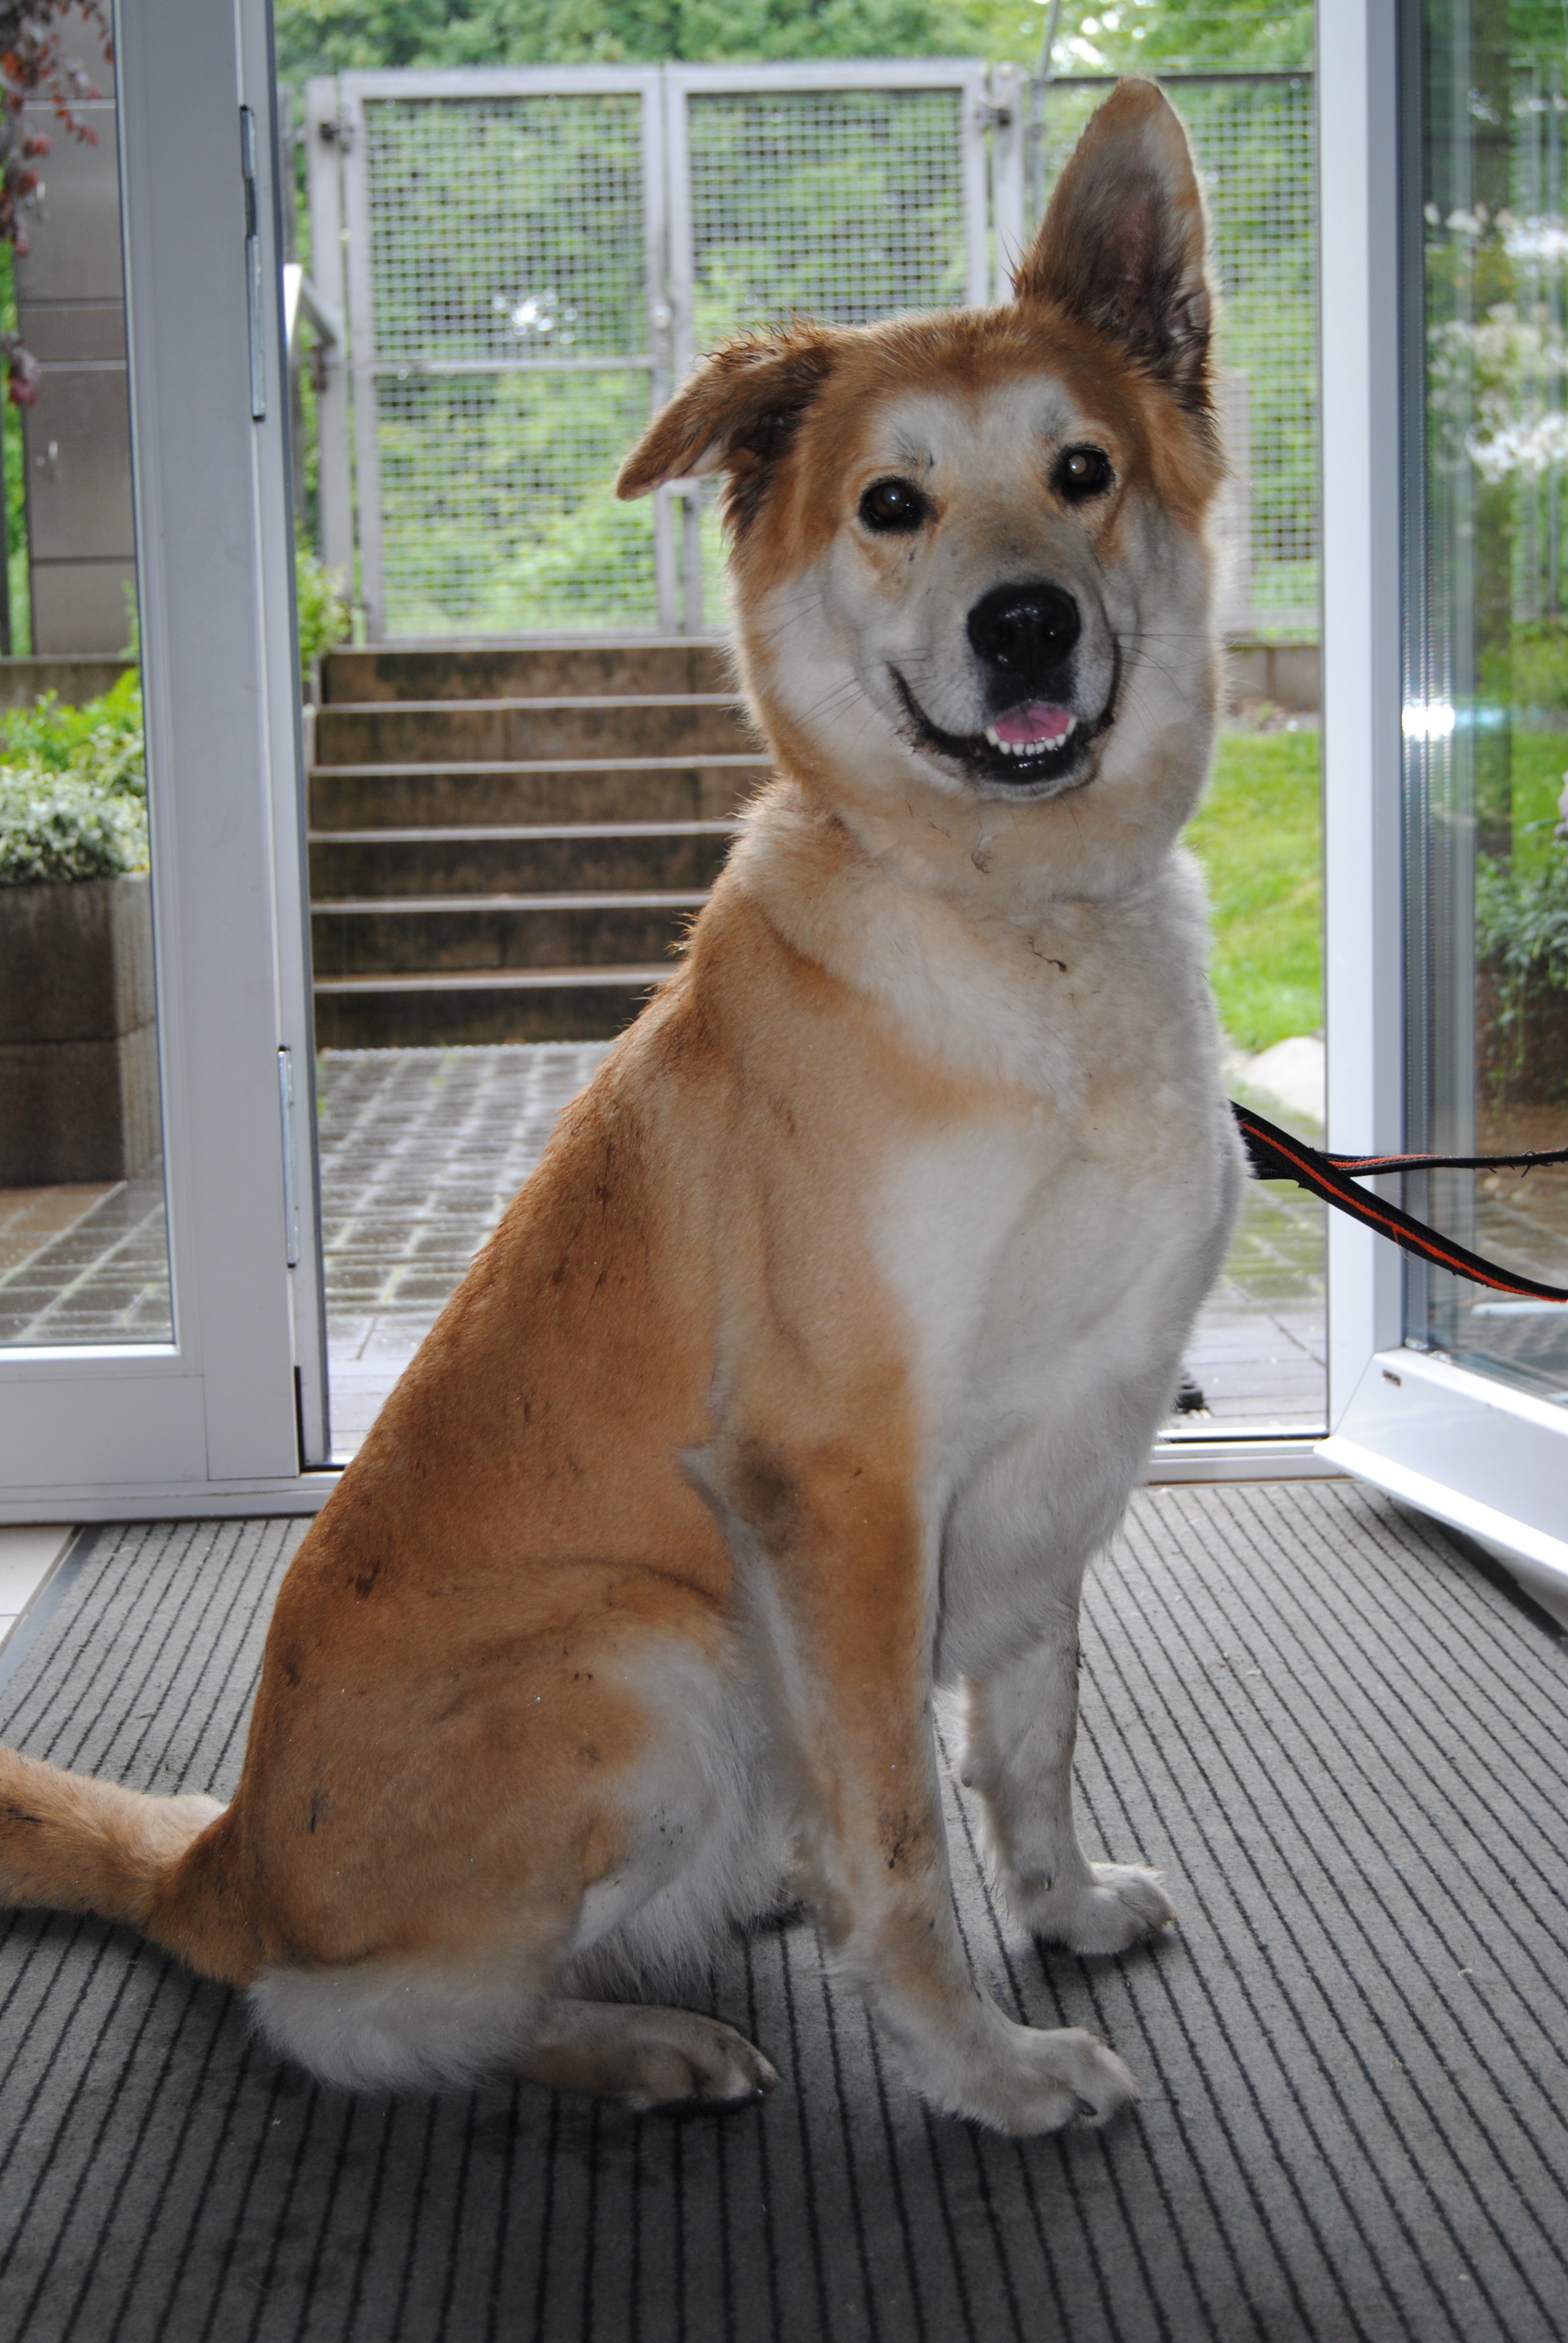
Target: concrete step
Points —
{"points": [[587, 789], [458, 1007], [488, 671], [508, 840], [577, 858], [427, 934], [507, 732]]}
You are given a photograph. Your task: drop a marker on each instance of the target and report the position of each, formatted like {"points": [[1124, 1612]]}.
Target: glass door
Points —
{"points": [[1449, 1394], [84, 1234], [160, 1345], [1486, 697]]}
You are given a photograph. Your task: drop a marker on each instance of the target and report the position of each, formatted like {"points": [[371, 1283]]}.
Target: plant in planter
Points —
{"points": [[324, 615], [78, 1041]]}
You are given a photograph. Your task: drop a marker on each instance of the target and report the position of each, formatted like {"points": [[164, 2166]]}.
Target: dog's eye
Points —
{"points": [[1083, 473], [893, 505]]}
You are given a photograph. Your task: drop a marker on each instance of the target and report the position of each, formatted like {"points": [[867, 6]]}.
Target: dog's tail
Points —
{"points": [[163, 1865]]}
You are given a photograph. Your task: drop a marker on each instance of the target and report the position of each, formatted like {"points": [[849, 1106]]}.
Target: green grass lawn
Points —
{"points": [[1258, 837], [1537, 759]]}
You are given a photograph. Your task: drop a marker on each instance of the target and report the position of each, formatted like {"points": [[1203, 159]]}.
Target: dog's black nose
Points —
{"points": [[1025, 629]]}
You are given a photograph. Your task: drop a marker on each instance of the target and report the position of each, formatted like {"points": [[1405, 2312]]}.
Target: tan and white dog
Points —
{"points": [[824, 1348]]}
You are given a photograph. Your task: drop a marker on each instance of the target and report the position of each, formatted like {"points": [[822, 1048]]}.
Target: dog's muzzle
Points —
{"points": [[1036, 739]]}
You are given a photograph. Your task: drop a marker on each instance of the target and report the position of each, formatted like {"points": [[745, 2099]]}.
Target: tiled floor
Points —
{"points": [[1259, 1352], [27, 1555], [421, 1152], [93, 1267], [31, 1217]]}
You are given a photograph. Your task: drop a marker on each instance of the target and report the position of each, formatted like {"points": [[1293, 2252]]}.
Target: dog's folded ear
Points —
{"points": [[736, 414], [1122, 246]]}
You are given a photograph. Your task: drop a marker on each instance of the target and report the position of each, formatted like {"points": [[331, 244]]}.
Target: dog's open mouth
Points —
{"points": [[1039, 742]]}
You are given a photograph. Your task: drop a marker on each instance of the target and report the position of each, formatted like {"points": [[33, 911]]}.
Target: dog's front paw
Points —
{"points": [[1048, 2081], [1116, 1904]]}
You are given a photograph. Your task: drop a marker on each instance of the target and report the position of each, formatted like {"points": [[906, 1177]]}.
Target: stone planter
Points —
{"points": [[78, 1041]]}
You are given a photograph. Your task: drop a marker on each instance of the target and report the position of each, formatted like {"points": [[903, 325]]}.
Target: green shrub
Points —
{"points": [[99, 744], [323, 617], [73, 781], [74, 789], [53, 828], [1521, 928]]}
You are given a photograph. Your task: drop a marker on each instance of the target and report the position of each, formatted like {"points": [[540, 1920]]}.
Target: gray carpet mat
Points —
{"points": [[1343, 1745]]}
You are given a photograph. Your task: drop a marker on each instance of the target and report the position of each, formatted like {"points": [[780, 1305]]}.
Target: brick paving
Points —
{"points": [[103, 1276], [421, 1150]]}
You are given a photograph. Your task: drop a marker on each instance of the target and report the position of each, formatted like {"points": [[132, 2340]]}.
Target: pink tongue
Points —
{"points": [[1039, 720]]}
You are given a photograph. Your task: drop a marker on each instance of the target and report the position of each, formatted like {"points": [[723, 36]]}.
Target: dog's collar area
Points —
{"points": [[1031, 765]]}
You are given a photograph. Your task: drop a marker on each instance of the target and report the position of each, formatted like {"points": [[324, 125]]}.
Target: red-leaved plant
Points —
{"points": [[32, 60]]}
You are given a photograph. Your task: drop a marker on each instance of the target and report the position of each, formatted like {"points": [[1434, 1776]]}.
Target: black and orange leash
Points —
{"points": [[1276, 1154]]}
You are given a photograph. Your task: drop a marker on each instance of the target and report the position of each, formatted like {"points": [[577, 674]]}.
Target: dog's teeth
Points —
{"points": [[1029, 747]]}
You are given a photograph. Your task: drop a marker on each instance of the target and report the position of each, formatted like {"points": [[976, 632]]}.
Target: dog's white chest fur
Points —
{"points": [[1047, 1256]]}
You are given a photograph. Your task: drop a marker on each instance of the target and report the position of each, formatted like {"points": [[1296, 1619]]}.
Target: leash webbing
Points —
{"points": [[1276, 1155]]}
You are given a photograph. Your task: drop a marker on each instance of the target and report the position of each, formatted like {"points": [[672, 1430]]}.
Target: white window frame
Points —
{"points": [[1472, 1452], [215, 1420]]}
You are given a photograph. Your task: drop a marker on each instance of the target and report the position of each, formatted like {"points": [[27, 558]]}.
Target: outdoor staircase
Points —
{"points": [[505, 843]]}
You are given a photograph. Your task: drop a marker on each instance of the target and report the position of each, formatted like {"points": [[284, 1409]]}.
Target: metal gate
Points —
{"points": [[529, 260], [1253, 141]]}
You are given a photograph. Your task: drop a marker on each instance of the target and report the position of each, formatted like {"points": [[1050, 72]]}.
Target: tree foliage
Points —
{"points": [[333, 35]]}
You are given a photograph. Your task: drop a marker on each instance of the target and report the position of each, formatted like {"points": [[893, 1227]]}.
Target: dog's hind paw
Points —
{"points": [[663, 2061], [1118, 1903], [700, 2068]]}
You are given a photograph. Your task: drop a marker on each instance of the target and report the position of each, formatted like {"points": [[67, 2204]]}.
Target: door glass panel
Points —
{"points": [[84, 1251], [1486, 694]]}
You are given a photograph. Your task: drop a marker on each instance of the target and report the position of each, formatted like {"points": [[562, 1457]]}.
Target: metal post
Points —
{"points": [[323, 136], [1358, 129], [1007, 192]]}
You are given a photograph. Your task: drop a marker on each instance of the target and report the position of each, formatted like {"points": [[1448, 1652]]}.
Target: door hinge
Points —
{"points": [[253, 287], [290, 1188]]}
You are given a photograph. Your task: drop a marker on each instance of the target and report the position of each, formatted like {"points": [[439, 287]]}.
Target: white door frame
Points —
{"points": [[1470, 1450], [214, 1421]]}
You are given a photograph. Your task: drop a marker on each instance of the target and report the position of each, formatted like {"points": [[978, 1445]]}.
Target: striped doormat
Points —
{"points": [[1347, 1749]]}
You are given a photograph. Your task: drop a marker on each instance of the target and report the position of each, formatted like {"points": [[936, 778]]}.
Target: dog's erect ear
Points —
{"points": [[736, 414], [1122, 244]]}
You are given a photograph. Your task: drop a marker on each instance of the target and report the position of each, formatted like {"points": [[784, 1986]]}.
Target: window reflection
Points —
{"points": [[1486, 719]]}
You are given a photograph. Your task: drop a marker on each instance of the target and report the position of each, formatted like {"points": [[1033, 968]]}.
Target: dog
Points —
{"points": [[826, 1344]]}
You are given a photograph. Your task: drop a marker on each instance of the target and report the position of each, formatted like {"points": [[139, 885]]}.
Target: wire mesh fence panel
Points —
{"points": [[497, 510], [1254, 145], [506, 280], [843, 205], [510, 333], [1519, 361]]}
